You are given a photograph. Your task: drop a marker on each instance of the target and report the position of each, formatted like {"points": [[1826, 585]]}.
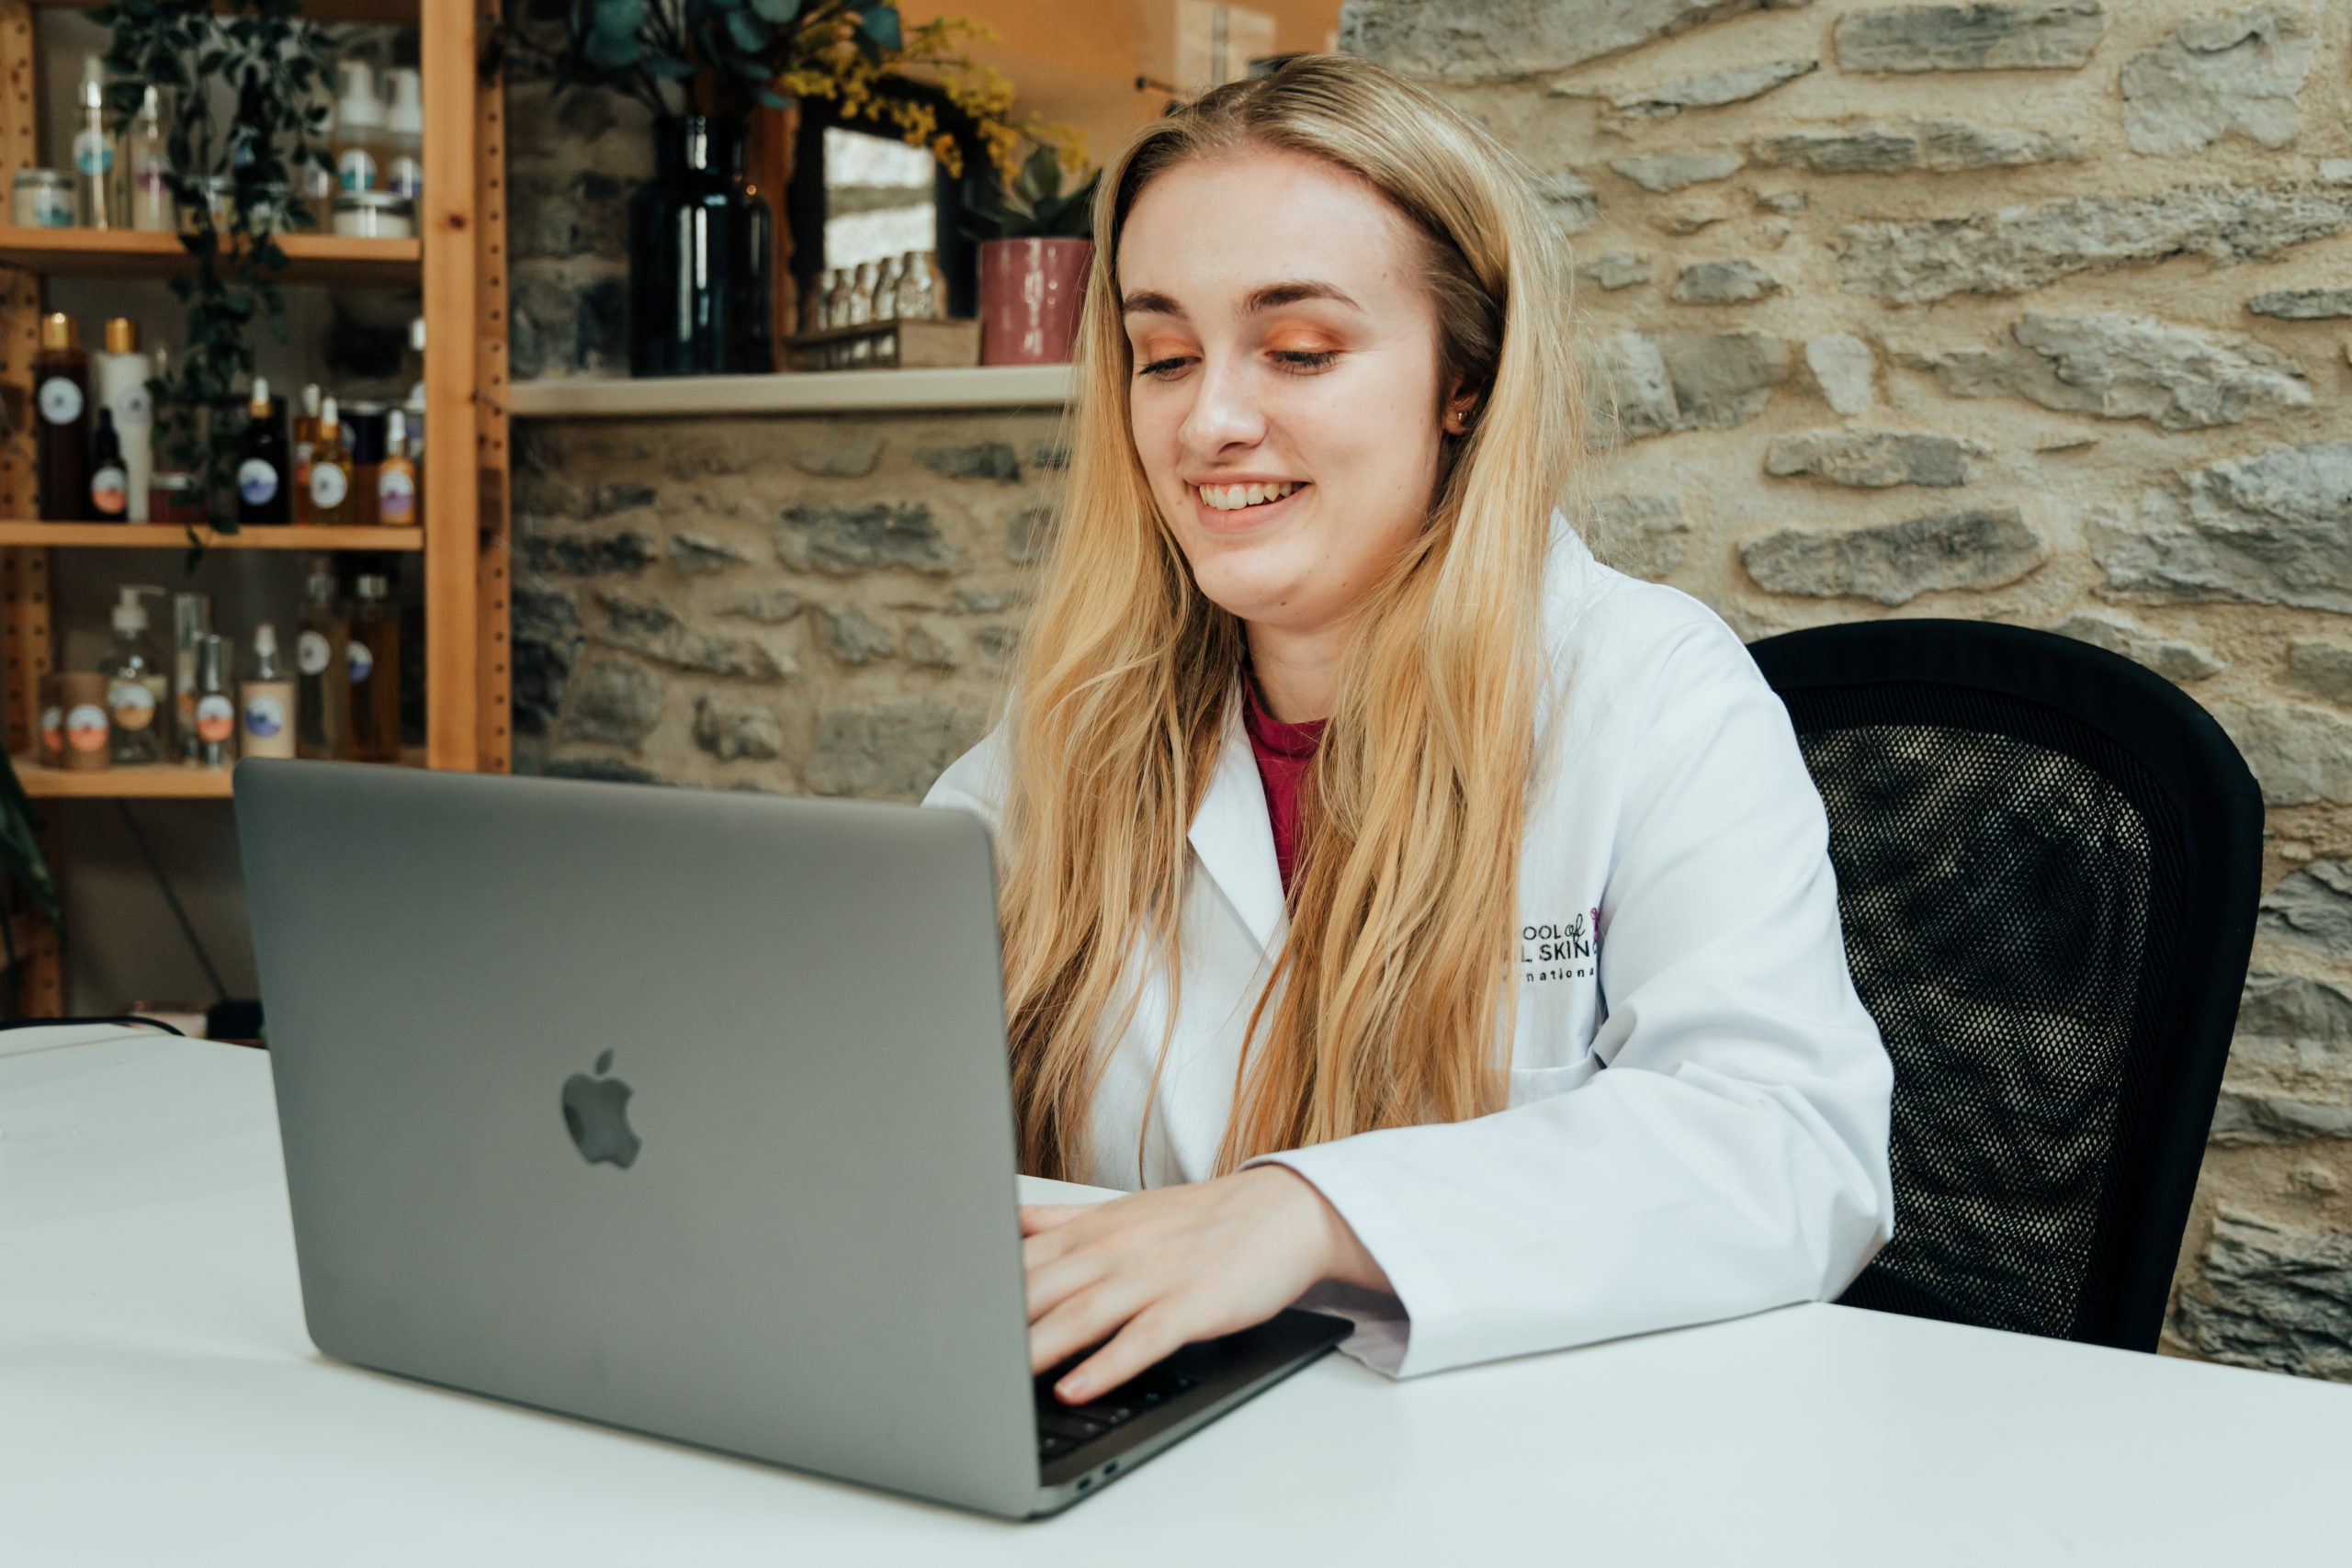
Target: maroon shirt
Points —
{"points": [[1285, 753]]}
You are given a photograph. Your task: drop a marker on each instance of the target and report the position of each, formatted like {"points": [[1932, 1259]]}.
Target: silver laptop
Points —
{"points": [[684, 1111]]}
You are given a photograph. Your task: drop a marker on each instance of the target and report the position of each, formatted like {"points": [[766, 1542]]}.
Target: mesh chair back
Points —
{"points": [[2048, 864]]}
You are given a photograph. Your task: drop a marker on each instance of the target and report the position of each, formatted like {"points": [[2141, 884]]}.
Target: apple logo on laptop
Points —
{"points": [[595, 1112]]}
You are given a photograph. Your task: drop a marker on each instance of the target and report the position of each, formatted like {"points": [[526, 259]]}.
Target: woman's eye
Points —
{"points": [[1301, 359], [1160, 367]]}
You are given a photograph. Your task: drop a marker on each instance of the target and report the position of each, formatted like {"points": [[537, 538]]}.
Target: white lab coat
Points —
{"points": [[1699, 1102]]}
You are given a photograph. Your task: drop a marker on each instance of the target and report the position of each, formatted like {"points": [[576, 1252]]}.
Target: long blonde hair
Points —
{"points": [[1393, 998]]}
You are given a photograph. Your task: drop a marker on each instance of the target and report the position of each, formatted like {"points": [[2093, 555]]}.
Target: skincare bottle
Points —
{"points": [[396, 475], [120, 375], [139, 684], [323, 672], [262, 491], [100, 194], [375, 672], [266, 702], [109, 484], [359, 130], [329, 468], [61, 382], [216, 715], [306, 441], [149, 155], [404, 135], [191, 619]]}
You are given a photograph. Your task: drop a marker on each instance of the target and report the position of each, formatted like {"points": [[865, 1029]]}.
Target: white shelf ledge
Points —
{"points": [[815, 391]]}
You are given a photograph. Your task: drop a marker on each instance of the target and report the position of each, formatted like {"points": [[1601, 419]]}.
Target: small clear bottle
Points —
{"points": [[375, 661], [148, 153], [266, 702], [101, 195], [887, 278], [216, 714], [139, 683], [404, 135], [323, 669], [330, 488], [359, 130]]}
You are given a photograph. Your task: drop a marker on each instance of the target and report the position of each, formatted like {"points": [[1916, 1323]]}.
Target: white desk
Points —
{"points": [[160, 1404]]}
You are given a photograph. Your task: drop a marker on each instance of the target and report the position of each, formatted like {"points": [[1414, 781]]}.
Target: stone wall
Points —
{"points": [[2034, 312]]}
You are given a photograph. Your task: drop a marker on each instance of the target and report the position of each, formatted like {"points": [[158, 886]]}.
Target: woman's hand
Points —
{"points": [[1157, 1269]]}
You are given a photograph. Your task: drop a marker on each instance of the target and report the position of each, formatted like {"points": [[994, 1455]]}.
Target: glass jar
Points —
{"points": [[375, 215], [42, 198], [175, 498]]}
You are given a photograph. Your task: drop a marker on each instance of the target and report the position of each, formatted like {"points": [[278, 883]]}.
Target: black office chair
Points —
{"points": [[2048, 864]]}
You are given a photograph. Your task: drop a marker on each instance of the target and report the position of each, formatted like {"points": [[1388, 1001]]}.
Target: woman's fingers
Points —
{"points": [[1151, 1335], [1036, 1218], [1086, 1318], [1051, 1283]]}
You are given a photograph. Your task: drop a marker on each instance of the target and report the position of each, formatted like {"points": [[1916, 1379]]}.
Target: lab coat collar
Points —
{"points": [[1233, 837]]}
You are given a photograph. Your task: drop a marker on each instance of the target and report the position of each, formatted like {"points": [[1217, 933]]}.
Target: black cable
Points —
{"points": [[156, 867], [59, 1022]]}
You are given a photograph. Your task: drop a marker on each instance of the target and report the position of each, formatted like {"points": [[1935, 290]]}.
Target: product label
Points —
{"points": [[256, 480], [133, 410], [147, 176], [85, 728], [328, 485], [60, 400], [93, 153], [357, 169], [52, 729], [109, 491], [395, 497], [363, 661], [133, 703], [311, 651], [216, 719], [408, 177], [265, 717]]}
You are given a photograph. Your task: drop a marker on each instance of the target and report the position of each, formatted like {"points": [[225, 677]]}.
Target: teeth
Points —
{"points": [[1233, 498]]}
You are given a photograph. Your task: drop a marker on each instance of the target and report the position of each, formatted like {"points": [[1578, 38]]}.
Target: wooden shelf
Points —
{"points": [[130, 253], [157, 781], [390, 13], [174, 535], [790, 392]]}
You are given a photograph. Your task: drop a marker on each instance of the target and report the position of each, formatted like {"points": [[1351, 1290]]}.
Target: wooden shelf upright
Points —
{"points": [[458, 260]]}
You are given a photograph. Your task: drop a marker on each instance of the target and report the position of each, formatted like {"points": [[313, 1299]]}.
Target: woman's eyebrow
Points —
{"points": [[1268, 296]]}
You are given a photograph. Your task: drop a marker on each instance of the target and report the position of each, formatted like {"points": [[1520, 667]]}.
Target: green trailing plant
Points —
{"points": [[278, 65], [1033, 205]]}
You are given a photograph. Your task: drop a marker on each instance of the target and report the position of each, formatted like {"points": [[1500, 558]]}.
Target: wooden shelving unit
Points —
{"points": [[457, 259], [119, 253], [176, 535]]}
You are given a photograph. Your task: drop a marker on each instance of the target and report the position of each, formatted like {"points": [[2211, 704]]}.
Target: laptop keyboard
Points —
{"points": [[1062, 1428]]}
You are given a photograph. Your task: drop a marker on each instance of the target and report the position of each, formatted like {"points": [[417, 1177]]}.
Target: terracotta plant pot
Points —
{"points": [[1030, 294]]}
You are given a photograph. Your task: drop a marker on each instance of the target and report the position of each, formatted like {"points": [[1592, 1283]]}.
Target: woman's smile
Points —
{"points": [[1240, 508]]}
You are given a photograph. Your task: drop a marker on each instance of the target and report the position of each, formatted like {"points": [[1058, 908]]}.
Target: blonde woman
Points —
{"points": [[1420, 919]]}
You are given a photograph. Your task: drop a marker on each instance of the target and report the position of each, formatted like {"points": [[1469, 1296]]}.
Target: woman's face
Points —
{"points": [[1283, 342]]}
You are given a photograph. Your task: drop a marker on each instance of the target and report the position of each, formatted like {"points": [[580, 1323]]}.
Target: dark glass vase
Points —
{"points": [[701, 258]]}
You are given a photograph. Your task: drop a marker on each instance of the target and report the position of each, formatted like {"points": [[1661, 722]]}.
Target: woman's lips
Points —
{"points": [[1241, 519]]}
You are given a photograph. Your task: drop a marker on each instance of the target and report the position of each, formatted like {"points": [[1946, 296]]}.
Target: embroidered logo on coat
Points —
{"points": [[1561, 951]]}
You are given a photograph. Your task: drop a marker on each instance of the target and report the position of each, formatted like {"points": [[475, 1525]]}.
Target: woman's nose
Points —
{"points": [[1225, 411]]}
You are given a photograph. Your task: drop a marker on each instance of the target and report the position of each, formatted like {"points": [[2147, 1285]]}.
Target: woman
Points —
{"points": [[1425, 919]]}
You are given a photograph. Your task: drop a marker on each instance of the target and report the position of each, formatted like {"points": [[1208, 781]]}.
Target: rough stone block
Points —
{"points": [[1469, 38], [699, 555], [652, 631], [2029, 35], [1722, 379], [2120, 366], [770, 607], [1938, 146], [2019, 248], [1894, 563], [889, 750], [2323, 669], [1873, 460], [1712, 90], [2299, 755], [854, 637], [546, 639], [927, 650], [729, 729], [839, 459], [1642, 536], [1664, 172], [2270, 1295], [2303, 304], [1845, 370], [624, 554], [1027, 535], [613, 701], [979, 460], [2175, 659], [1630, 397], [2215, 77], [1570, 198], [2274, 527], [1722, 283], [1618, 269], [842, 541], [2312, 907]]}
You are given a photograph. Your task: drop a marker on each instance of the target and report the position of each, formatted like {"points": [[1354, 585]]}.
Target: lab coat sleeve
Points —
{"points": [[1732, 1154]]}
